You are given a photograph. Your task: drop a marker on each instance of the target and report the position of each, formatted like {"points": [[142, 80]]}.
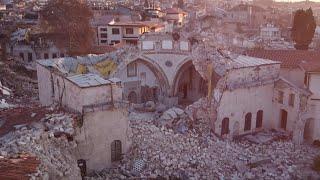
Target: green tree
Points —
{"points": [[303, 28], [68, 22], [180, 4]]}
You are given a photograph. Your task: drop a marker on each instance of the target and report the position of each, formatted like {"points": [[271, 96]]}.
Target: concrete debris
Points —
{"points": [[40, 140], [201, 155], [4, 90], [5, 105], [150, 106]]}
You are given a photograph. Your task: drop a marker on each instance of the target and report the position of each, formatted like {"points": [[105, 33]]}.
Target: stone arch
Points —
{"points": [[133, 97], [157, 71], [187, 88]]}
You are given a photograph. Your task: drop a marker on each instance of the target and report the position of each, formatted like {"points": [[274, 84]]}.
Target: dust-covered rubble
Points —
{"points": [[168, 154], [49, 141]]}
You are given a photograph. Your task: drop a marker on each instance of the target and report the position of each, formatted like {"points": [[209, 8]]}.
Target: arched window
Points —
{"points": [[225, 126], [247, 123], [259, 119], [116, 150], [133, 97]]}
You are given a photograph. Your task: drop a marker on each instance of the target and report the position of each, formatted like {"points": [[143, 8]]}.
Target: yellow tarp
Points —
{"points": [[82, 69], [106, 67]]}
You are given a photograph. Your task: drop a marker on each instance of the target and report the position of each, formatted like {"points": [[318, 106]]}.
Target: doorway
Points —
{"points": [[225, 126], [284, 119], [247, 123]]}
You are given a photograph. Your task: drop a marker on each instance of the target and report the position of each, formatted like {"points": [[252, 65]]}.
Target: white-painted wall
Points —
{"points": [[237, 103], [99, 130], [314, 85], [296, 76], [44, 85]]}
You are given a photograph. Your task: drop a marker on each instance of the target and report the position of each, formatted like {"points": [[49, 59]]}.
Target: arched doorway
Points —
{"points": [[247, 123], [225, 126], [308, 130], [259, 119], [284, 119], [146, 78], [133, 97], [188, 85]]}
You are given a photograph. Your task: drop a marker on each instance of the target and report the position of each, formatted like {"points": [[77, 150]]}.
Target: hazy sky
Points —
{"points": [[298, 0]]}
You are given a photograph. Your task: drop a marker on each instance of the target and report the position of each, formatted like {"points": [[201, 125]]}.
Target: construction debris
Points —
{"points": [[49, 140], [168, 154]]}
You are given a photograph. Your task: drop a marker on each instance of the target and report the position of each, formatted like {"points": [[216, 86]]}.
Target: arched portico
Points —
{"points": [[145, 78], [188, 85]]}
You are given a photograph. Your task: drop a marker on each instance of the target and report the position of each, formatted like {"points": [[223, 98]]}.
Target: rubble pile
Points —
{"points": [[168, 154], [40, 140], [176, 119]]}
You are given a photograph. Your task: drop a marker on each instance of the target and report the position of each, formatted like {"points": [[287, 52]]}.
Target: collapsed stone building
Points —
{"points": [[237, 94], [102, 133]]}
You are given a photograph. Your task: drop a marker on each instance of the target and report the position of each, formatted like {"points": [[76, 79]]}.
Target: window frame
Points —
{"points": [[281, 97], [129, 72], [130, 33], [292, 98], [114, 32]]}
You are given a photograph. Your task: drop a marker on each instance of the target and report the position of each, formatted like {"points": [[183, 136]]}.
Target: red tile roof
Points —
{"points": [[20, 115], [308, 60], [18, 168]]}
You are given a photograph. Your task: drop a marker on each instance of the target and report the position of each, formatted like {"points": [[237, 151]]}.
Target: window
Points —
{"points": [[184, 46], [259, 119], [21, 56], [104, 41], [61, 55], [115, 42], [306, 79], [129, 30], [280, 97], [225, 126], [46, 56], [132, 70], [116, 150], [54, 55], [104, 35], [115, 31], [103, 29], [147, 45], [30, 57], [247, 123], [167, 44], [291, 99]]}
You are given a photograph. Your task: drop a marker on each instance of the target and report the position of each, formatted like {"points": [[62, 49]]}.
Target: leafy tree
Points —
{"points": [[68, 22], [180, 4], [146, 4], [303, 28]]}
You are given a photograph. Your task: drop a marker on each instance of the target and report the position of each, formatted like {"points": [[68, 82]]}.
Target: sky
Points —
{"points": [[298, 0]]}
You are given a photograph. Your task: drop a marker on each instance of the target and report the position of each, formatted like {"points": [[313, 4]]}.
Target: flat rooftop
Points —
{"points": [[88, 80], [247, 61]]}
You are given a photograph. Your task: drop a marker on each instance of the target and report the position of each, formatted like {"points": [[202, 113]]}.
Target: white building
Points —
{"points": [[300, 72], [270, 32], [102, 136], [128, 32]]}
